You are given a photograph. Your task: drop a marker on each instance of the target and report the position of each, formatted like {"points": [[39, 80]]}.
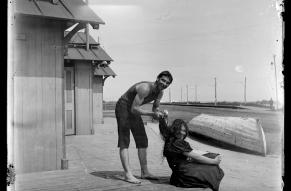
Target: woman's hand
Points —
{"points": [[217, 159], [166, 113], [158, 115]]}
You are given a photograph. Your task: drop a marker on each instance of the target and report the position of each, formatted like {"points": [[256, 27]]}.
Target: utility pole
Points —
{"points": [[195, 93], [215, 100], [170, 95], [181, 94], [276, 82], [245, 91], [187, 93]]}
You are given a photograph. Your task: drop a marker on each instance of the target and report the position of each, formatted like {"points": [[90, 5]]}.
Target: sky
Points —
{"points": [[197, 41]]}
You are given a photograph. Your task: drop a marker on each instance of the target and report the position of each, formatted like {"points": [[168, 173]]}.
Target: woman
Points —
{"points": [[189, 169]]}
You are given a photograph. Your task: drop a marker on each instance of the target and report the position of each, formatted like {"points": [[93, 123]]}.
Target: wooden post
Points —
{"points": [[187, 93], [64, 160], [195, 93], [215, 99], [73, 32], [91, 99], [87, 31], [181, 94], [87, 36], [170, 95], [245, 91]]}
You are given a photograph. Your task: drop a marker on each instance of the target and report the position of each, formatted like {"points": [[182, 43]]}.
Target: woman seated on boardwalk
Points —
{"points": [[189, 169]]}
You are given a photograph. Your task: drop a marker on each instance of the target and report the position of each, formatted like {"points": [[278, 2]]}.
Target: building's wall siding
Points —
{"points": [[37, 100], [83, 97], [97, 100]]}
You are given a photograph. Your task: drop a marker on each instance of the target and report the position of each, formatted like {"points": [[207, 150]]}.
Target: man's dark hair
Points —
{"points": [[167, 74]]}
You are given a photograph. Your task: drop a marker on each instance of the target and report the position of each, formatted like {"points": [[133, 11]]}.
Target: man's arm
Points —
{"points": [[142, 91], [156, 103]]}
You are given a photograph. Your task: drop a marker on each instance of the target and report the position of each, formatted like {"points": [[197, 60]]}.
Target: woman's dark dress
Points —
{"points": [[189, 173]]}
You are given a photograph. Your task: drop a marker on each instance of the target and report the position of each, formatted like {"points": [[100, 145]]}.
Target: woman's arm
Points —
{"points": [[202, 159], [164, 128]]}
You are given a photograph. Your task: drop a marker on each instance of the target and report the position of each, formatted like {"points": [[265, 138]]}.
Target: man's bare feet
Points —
{"points": [[128, 177], [148, 176]]}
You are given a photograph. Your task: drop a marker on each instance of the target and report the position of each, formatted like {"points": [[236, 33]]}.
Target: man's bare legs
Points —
{"points": [[142, 155], [124, 157]]}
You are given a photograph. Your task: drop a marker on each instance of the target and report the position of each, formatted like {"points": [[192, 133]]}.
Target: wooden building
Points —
{"points": [[36, 101], [85, 74]]}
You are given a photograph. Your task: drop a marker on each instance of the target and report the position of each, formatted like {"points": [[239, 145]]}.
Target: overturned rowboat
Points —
{"points": [[245, 133]]}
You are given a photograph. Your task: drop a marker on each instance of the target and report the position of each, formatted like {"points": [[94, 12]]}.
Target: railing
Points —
{"points": [[108, 106]]}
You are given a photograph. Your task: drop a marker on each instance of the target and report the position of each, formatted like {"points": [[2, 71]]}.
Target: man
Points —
{"points": [[128, 113]]}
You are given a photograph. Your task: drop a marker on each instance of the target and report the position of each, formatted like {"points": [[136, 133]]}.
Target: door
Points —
{"points": [[69, 101]]}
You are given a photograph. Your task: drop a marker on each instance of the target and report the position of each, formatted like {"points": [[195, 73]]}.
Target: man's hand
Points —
{"points": [[166, 113], [158, 115], [217, 160]]}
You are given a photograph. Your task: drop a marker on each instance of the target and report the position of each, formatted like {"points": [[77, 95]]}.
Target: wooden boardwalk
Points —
{"points": [[94, 165], [81, 180]]}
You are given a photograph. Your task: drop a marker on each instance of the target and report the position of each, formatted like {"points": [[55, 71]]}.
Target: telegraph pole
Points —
{"points": [[170, 95], [215, 100], [245, 91], [276, 82], [195, 93], [187, 93], [181, 94]]}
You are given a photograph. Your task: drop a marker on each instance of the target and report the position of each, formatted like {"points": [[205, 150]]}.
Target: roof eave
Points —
{"points": [[90, 60], [63, 19]]}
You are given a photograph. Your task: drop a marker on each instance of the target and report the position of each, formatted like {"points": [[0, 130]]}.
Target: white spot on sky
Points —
{"points": [[239, 69]]}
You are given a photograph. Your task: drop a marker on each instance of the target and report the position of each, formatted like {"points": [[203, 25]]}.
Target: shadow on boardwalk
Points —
{"points": [[118, 175]]}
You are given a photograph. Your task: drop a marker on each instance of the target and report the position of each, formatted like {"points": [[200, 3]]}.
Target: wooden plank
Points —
{"points": [[82, 99], [38, 101], [53, 144], [100, 98], [244, 127], [30, 95], [26, 8], [57, 29], [46, 134], [66, 180], [69, 101], [17, 124], [97, 100], [44, 112], [27, 93], [99, 104], [90, 99], [94, 100], [214, 134], [20, 56], [38, 95], [59, 94]]}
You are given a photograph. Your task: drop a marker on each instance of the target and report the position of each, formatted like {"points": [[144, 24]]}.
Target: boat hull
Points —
{"points": [[246, 133]]}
